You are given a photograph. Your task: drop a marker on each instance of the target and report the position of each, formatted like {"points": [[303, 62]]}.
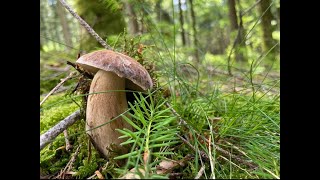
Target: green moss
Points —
{"points": [[52, 115]]}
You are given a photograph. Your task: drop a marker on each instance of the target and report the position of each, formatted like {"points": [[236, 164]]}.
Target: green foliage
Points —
{"points": [[86, 169], [54, 114], [103, 16], [154, 133], [239, 113]]}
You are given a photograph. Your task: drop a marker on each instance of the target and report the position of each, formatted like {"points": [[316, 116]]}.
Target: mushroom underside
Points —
{"points": [[103, 106]]}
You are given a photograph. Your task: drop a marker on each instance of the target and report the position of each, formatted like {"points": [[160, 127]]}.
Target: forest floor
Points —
{"points": [[221, 126]]}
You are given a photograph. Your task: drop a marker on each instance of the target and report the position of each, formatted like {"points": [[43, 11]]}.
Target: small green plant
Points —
{"points": [[154, 133]]}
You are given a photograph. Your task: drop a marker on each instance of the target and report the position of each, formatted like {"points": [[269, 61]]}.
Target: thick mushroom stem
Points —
{"points": [[104, 106]]}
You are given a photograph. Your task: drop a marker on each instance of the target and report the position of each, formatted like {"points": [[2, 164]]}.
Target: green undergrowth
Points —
{"points": [[54, 157]]}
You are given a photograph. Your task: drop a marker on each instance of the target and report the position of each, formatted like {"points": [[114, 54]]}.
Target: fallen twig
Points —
{"points": [[61, 89], [181, 121], [48, 136], [202, 154], [71, 75], [69, 164], [200, 172], [66, 137], [226, 153], [94, 175], [85, 25]]}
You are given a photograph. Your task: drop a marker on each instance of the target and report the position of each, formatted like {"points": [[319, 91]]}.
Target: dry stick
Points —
{"points": [[71, 75], [48, 136], [69, 164], [226, 153], [203, 154], [181, 121], [66, 137], [94, 175], [85, 25], [200, 172], [61, 89]]}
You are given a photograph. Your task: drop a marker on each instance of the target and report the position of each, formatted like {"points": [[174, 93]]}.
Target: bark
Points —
{"points": [[266, 24], [238, 45], [162, 14], [183, 38], [65, 26], [52, 133], [43, 29], [233, 15], [195, 42], [133, 26]]}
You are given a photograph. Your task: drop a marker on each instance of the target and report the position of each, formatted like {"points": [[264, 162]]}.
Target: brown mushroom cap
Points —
{"points": [[120, 64]]}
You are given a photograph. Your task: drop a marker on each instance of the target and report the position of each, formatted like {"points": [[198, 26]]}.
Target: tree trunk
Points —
{"points": [[183, 38], [43, 29], [241, 48], [65, 26], [266, 25], [233, 15], [238, 45], [162, 15], [133, 26], [195, 42]]}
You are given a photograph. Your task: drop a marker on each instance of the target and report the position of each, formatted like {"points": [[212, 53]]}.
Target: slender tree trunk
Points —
{"points": [[266, 25], [133, 26], [187, 21], [42, 25], [233, 15], [65, 26], [238, 45], [54, 28], [195, 42], [183, 37], [162, 15], [241, 48]]}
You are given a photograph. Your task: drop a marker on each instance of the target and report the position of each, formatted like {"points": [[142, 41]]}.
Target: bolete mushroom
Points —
{"points": [[114, 72]]}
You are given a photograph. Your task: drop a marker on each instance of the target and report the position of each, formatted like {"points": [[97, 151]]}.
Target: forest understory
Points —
{"points": [[213, 110]]}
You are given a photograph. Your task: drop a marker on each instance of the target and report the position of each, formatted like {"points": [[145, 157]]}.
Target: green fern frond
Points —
{"points": [[154, 130]]}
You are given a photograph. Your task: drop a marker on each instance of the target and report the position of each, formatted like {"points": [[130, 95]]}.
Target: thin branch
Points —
{"points": [[181, 121], [61, 89], [52, 133], [200, 172], [226, 153], [85, 25], [66, 137], [202, 154], [69, 164], [71, 75]]}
